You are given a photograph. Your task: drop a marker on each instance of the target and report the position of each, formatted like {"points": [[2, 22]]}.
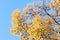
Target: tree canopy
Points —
{"points": [[37, 22]]}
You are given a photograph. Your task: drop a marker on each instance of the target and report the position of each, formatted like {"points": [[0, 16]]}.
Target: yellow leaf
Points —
{"points": [[14, 30], [58, 8]]}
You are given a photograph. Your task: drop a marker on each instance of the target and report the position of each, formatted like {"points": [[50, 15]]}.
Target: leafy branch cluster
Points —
{"points": [[37, 22]]}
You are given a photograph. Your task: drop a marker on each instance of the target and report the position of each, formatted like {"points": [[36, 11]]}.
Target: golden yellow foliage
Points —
{"points": [[59, 8], [38, 28], [14, 30], [36, 22], [58, 1], [14, 20], [15, 16]]}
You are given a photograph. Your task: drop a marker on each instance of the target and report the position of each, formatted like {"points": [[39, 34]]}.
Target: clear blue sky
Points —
{"points": [[6, 9]]}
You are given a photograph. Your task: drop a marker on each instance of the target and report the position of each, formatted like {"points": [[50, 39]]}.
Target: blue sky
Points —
{"points": [[6, 9]]}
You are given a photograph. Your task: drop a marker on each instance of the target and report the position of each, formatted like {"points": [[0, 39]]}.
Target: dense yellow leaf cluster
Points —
{"points": [[55, 3], [58, 1], [39, 28], [14, 30], [59, 8], [15, 16], [36, 22]]}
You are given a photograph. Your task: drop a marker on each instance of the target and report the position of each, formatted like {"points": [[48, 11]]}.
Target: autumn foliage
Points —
{"points": [[36, 23]]}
